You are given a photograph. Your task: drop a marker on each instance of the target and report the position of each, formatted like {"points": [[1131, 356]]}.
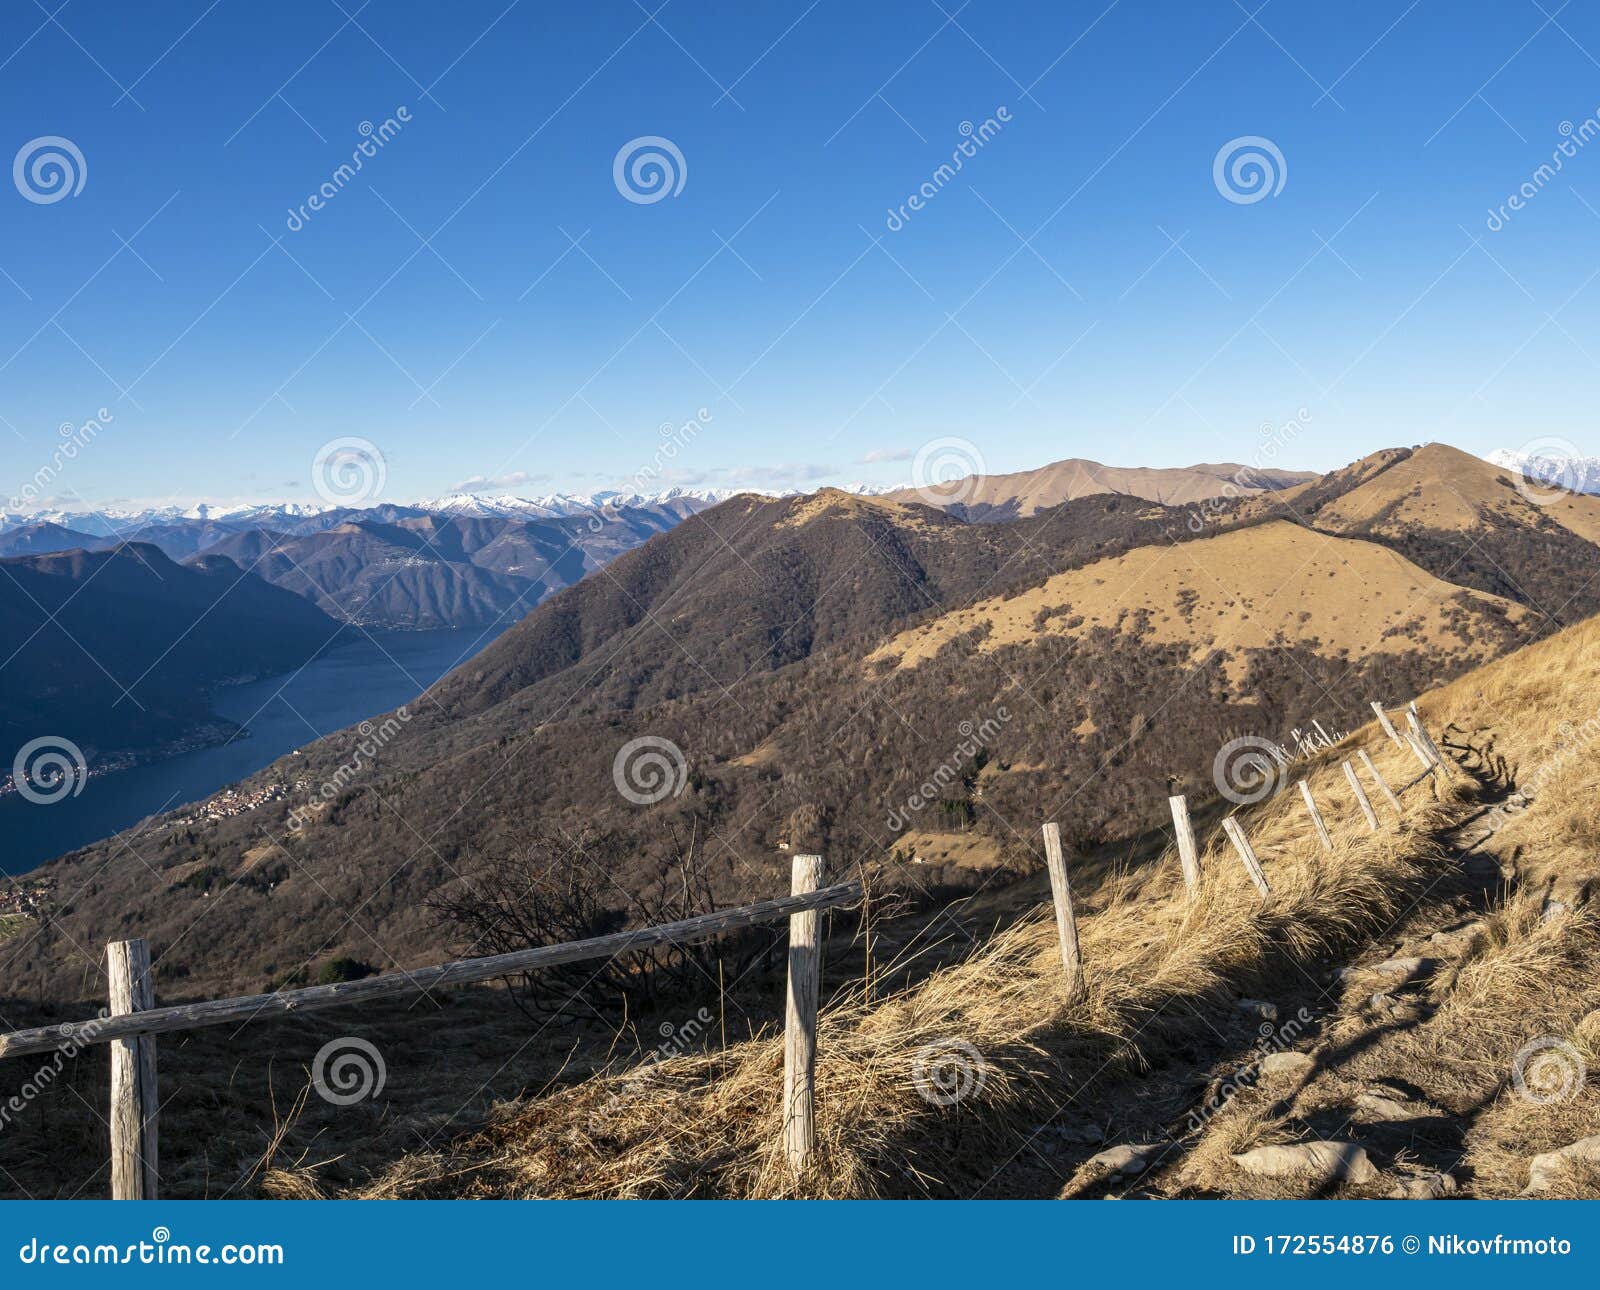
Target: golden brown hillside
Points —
{"points": [[1248, 589], [1442, 488]]}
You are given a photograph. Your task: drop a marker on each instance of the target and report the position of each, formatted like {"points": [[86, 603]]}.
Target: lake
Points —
{"points": [[347, 684]]}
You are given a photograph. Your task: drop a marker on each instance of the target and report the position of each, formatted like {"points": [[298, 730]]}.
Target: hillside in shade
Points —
{"points": [[116, 650]]}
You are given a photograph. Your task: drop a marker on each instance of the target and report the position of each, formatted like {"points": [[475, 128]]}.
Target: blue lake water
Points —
{"points": [[340, 688]]}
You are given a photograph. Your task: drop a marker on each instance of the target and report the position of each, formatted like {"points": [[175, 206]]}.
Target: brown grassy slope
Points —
{"points": [[1159, 974], [1442, 488], [1514, 989], [1248, 589]]}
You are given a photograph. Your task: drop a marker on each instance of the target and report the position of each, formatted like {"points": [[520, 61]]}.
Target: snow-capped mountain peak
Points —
{"points": [[1574, 473], [114, 521]]}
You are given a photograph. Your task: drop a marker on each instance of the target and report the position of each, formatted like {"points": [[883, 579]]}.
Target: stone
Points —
{"points": [[1427, 1187], [1126, 1160], [1545, 1171], [1288, 1064], [1320, 1161], [1405, 967], [1388, 1104]]}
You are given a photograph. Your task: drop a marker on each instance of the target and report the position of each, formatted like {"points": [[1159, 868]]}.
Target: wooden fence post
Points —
{"points": [[1424, 738], [1188, 853], [1066, 921], [133, 1077], [1383, 786], [1382, 714], [800, 1028], [1316, 816], [1361, 797], [1247, 853]]}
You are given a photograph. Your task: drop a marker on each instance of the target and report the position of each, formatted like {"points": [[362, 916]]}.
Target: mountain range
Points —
{"points": [[1013, 496], [872, 678]]}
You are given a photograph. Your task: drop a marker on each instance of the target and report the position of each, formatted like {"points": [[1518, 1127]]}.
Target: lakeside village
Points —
{"points": [[25, 898], [233, 801]]}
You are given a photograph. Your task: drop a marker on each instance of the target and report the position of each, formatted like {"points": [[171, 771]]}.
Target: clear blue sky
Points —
{"points": [[757, 292]]}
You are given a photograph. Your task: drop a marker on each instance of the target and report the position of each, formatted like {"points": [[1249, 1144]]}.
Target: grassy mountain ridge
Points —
{"points": [[746, 637]]}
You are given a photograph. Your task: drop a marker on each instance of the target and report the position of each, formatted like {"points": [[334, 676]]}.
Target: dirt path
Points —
{"points": [[1405, 1071], [1327, 1054]]}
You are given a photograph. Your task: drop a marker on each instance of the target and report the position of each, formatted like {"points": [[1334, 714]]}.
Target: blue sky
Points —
{"points": [[1080, 288]]}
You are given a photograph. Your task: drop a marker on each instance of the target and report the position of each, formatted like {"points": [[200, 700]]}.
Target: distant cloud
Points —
{"points": [[486, 483], [884, 454]]}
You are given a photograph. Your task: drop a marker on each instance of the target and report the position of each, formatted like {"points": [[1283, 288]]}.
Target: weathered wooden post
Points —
{"points": [[1361, 797], [1247, 853], [1419, 731], [1382, 714], [134, 1102], [1066, 921], [1316, 816], [1188, 853], [1383, 786], [1327, 741], [800, 1028]]}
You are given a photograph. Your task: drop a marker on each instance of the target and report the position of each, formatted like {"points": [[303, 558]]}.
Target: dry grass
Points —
{"points": [[1160, 973], [1519, 991], [1252, 589]]}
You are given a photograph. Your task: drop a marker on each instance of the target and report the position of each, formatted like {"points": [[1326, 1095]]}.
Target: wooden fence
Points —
{"points": [[134, 1021]]}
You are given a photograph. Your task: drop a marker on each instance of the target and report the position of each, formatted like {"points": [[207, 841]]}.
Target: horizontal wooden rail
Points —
{"points": [[221, 1012]]}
